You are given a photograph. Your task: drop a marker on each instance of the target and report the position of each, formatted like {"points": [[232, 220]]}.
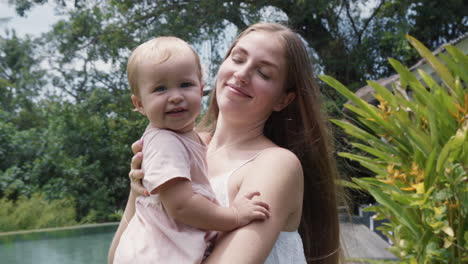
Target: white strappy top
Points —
{"points": [[288, 248]]}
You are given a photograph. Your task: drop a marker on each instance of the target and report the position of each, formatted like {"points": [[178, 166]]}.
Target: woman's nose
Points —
{"points": [[242, 73]]}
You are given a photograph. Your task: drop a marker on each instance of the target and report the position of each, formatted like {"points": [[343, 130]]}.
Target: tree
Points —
{"points": [[21, 78], [352, 38], [20, 75]]}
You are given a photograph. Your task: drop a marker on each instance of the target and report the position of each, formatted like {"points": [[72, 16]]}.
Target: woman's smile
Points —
{"points": [[237, 90]]}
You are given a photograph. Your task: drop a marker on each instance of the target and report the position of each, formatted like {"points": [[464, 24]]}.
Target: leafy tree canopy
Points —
{"points": [[351, 38]]}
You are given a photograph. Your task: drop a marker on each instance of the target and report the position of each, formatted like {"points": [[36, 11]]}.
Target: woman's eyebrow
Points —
{"points": [[263, 62]]}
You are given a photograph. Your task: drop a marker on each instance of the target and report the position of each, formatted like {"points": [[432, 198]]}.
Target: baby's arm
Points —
{"points": [[187, 207]]}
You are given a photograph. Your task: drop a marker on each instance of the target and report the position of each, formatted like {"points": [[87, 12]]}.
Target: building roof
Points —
{"points": [[366, 92]]}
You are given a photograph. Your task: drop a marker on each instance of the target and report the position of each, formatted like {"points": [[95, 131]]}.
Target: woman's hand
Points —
{"points": [[136, 173]]}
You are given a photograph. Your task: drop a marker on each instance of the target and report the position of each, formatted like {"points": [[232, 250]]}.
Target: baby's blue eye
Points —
{"points": [[160, 89], [186, 85]]}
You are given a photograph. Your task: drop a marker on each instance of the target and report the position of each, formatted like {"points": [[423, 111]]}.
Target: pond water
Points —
{"points": [[85, 244]]}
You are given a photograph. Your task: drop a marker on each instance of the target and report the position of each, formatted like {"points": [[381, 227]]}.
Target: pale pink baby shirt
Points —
{"points": [[152, 236]]}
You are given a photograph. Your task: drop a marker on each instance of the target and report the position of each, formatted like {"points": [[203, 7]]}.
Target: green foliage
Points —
{"points": [[417, 146], [82, 151], [351, 39], [36, 212], [21, 78]]}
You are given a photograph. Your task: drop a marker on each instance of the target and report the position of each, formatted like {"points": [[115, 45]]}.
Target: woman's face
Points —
{"points": [[250, 81]]}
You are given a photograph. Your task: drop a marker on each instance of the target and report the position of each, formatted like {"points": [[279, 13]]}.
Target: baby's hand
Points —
{"points": [[248, 209]]}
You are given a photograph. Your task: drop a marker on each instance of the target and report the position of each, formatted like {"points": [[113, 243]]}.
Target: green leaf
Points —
{"points": [[384, 92], [458, 56], [370, 139], [452, 147], [371, 112], [374, 187], [373, 165], [433, 128], [384, 156], [458, 140], [454, 67], [349, 184], [419, 139], [429, 169], [431, 84], [420, 92], [440, 68], [355, 109], [402, 198]]}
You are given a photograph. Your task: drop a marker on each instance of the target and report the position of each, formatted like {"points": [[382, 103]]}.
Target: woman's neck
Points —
{"points": [[235, 135]]}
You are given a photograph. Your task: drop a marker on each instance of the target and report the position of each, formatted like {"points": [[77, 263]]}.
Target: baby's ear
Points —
{"points": [[138, 105], [284, 101]]}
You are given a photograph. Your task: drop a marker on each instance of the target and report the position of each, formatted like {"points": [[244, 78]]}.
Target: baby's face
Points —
{"points": [[170, 92]]}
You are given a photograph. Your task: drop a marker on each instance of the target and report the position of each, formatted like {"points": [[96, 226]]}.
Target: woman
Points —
{"points": [[266, 132]]}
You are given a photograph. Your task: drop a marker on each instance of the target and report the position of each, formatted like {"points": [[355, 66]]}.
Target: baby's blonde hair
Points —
{"points": [[158, 50]]}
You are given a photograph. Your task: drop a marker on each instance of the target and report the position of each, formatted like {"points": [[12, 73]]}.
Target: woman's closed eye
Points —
{"points": [[236, 59], [263, 75]]}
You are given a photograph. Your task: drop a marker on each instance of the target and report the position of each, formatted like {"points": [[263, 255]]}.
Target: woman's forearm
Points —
{"points": [[126, 217], [250, 244]]}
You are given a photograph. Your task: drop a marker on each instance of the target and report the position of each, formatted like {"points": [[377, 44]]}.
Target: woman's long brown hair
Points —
{"points": [[302, 128]]}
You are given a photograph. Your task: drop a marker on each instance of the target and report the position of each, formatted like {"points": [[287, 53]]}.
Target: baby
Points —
{"points": [[170, 224]]}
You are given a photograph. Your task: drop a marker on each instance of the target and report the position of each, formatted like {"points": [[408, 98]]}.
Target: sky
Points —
{"points": [[38, 20]]}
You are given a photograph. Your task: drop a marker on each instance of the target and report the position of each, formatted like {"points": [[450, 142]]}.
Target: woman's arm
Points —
{"points": [[127, 215], [277, 174], [136, 190]]}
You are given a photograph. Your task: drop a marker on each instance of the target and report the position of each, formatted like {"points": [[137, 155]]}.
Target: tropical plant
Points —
{"points": [[417, 145]]}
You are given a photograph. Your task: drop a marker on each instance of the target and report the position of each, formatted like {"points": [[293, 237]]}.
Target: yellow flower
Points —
{"points": [[424, 122], [383, 106], [419, 187], [389, 181], [462, 112], [407, 188], [448, 170], [390, 167], [420, 177], [438, 210], [454, 205], [414, 169], [401, 177]]}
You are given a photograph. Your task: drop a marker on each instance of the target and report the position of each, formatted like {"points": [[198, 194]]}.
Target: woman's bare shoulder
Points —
{"points": [[280, 162], [277, 174], [280, 157]]}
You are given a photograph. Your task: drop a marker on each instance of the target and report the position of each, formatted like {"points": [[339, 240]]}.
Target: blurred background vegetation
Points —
{"points": [[66, 123]]}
